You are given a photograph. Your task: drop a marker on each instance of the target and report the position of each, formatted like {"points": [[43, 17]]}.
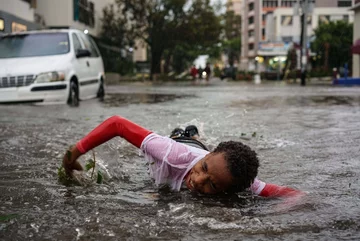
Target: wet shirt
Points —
{"points": [[170, 161]]}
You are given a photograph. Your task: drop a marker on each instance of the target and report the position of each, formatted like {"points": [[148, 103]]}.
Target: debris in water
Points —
{"points": [[77, 178]]}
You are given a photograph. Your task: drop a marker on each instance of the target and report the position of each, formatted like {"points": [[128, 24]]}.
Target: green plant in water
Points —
{"points": [[5, 218], [90, 165], [99, 178], [63, 177]]}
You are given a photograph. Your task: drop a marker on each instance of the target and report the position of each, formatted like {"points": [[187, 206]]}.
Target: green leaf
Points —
{"points": [[99, 178], [6, 218], [89, 164], [254, 134], [243, 134], [63, 177]]}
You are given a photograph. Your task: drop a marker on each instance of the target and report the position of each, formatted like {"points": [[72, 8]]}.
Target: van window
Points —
{"points": [[76, 42], [89, 46], [35, 44]]}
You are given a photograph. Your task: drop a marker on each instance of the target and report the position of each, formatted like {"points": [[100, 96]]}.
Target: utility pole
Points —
{"points": [[304, 57]]}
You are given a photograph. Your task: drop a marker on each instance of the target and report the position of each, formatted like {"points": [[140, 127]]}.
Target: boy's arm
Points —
{"points": [[272, 190], [114, 126]]}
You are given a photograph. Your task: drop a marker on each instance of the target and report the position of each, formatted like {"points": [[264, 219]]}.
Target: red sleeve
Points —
{"points": [[272, 190], [114, 126]]}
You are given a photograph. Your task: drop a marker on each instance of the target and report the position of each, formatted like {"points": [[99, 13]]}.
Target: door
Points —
{"points": [[81, 67], [92, 85]]}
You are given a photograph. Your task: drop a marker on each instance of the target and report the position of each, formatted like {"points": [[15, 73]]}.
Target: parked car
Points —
{"points": [[50, 66]]}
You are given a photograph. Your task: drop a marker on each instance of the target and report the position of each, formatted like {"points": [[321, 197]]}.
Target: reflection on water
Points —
{"points": [[113, 100], [316, 101], [314, 149]]}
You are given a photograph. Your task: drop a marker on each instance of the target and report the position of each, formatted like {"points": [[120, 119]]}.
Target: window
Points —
{"points": [[251, 46], [344, 3], [2, 24], [30, 45], [324, 19], [76, 42], [251, 7], [346, 18], [288, 3], [251, 33], [263, 32], [270, 3], [18, 27], [287, 39], [93, 46], [286, 20], [251, 20], [309, 20], [89, 45], [84, 12]]}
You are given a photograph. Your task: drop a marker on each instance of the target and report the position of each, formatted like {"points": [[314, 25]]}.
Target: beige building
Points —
{"points": [[269, 26], [356, 47], [234, 5], [78, 14]]}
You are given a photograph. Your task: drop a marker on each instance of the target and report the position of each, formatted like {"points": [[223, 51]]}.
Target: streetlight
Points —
{"points": [[304, 6]]}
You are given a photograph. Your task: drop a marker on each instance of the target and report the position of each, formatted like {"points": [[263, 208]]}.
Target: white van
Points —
{"points": [[50, 66]]}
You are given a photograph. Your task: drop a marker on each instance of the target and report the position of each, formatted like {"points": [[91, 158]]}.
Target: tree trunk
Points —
{"points": [[326, 59], [155, 63]]}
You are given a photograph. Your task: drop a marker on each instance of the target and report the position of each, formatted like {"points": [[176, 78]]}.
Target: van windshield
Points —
{"points": [[30, 45]]}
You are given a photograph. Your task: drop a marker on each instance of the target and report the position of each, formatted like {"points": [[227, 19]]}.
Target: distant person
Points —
{"points": [[232, 167], [193, 72], [207, 71], [200, 70]]}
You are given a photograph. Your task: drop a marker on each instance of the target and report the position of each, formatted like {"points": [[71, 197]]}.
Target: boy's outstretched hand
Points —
{"points": [[70, 161]]}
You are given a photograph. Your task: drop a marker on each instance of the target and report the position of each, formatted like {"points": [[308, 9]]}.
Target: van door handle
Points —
{"points": [[87, 63]]}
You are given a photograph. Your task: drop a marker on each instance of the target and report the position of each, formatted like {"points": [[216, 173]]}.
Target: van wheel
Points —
{"points": [[73, 95], [101, 91]]}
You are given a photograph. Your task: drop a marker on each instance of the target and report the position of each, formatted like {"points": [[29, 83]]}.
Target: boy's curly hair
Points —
{"points": [[242, 163]]}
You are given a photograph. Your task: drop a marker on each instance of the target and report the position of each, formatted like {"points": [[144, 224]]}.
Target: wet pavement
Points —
{"points": [[307, 138]]}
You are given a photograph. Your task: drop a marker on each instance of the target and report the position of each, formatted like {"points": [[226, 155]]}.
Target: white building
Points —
{"points": [[356, 47], [271, 24], [17, 15], [283, 28]]}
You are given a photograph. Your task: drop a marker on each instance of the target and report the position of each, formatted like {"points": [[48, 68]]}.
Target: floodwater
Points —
{"points": [[307, 138]]}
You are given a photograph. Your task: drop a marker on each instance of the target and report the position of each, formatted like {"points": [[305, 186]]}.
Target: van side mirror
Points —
{"points": [[80, 53]]}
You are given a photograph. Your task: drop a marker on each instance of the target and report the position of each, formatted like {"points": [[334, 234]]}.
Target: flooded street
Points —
{"points": [[306, 138]]}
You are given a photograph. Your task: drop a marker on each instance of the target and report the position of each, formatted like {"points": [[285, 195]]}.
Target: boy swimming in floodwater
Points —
{"points": [[231, 167]]}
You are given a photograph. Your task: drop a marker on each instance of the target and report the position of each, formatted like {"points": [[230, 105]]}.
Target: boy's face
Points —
{"points": [[210, 175]]}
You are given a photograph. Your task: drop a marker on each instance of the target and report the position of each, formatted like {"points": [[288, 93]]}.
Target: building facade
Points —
{"points": [[356, 47], [269, 28], [234, 5], [17, 15], [84, 15]]}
